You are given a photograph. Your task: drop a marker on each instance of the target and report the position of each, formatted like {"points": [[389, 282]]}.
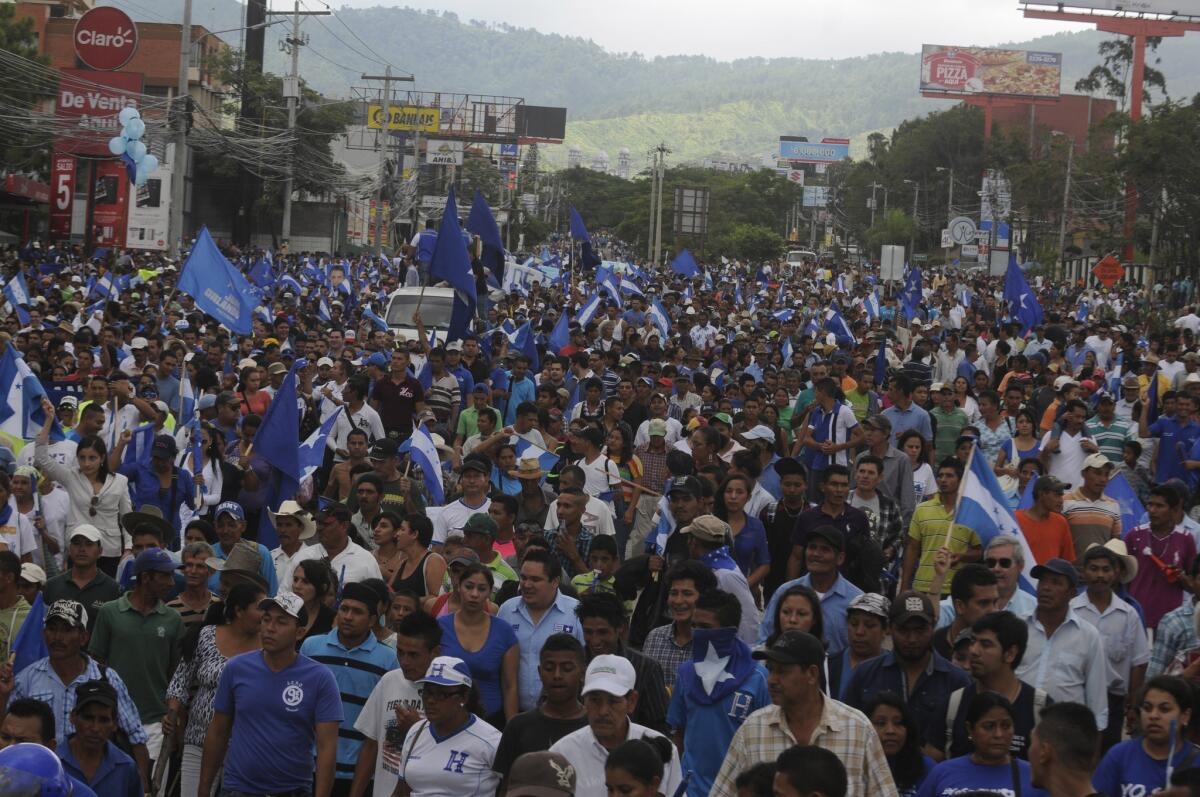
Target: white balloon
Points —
{"points": [[127, 113], [135, 128], [149, 163], [116, 145]]}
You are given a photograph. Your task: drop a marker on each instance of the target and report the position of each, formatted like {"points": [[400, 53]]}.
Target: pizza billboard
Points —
{"points": [[986, 70]]}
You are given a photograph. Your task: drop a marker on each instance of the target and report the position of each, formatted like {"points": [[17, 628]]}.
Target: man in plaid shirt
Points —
{"points": [[1176, 632], [882, 512], [802, 714]]}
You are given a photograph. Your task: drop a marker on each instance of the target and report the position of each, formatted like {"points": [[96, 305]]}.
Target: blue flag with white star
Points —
{"points": [[720, 664]]}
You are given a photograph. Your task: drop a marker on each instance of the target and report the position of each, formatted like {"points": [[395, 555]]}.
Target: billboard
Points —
{"points": [[444, 153], [150, 212], [105, 38], [405, 117], [1166, 8], [92, 100], [984, 70], [110, 195], [827, 150]]}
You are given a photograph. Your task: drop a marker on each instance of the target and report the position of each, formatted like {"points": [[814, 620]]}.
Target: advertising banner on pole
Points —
{"points": [[92, 100], [110, 199], [1165, 8], [406, 117], [444, 153], [150, 212], [984, 70], [827, 150], [62, 195]]}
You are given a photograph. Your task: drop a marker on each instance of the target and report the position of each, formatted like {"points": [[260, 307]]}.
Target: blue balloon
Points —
{"points": [[135, 128], [137, 151], [117, 145], [141, 175], [127, 113], [150, 163]]}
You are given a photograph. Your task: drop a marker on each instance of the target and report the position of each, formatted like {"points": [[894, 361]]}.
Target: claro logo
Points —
{"points": [[95, 38], [105, 38]]}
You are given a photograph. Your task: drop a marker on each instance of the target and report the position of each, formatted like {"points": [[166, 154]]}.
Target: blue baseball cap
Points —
{"points": [[154, 560], [378, 359], [231, 508]]}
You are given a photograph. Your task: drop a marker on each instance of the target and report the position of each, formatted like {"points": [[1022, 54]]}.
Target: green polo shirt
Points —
{"points": [[143, 649]]}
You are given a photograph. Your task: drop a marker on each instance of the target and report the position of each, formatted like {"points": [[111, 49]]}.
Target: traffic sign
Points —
{"points": [[105, 38], [1108, 271], [947, 239], [962, 230]]}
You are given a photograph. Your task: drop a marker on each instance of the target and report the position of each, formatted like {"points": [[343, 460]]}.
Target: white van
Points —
{"points": [[436, 306], [798, 256]]}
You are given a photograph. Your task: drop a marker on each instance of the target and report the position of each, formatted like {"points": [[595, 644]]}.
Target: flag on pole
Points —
{"points": [[685, 265], [452, 263], [312, 450], [278, 443], [983, 508], [138, 449], [217, 287], [21, 413], [662, 321], [1023, 304], [425, 456], [589, 310], [560, 336], [580, 233], [1132, 511]]}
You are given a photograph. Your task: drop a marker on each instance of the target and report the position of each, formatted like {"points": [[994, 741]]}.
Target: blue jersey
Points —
{"points": [[1174, 444], [960, 775], [1127, 771], [426, 242], [268, 707]]}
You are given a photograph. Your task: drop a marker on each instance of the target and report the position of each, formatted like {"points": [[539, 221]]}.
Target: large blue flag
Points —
{"points": [[218, 288], [278, 442], [424, 454], [481, 222], [29, 645], [526, 342], [589, 310], [138, 449], [1023, 304], [983, 508], [312, 450], [261, 273], [685, 265], [17, 294], [452, 263], [911, 297], [560, 336], [580, 233], [1119, 489]]}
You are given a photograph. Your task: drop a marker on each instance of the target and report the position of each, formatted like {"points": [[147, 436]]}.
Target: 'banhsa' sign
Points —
{"points": [[105, 38]]}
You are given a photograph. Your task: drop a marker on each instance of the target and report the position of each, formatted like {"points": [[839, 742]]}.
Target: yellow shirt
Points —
{"points": [[930, 522]]}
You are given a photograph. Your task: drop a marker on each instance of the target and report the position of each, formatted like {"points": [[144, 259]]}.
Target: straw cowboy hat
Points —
{"points": [[294, 510], [1117, 547], [528, 468]]}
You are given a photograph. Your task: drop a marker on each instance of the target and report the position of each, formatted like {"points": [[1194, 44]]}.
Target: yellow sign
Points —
{"points": [[405, 117]]}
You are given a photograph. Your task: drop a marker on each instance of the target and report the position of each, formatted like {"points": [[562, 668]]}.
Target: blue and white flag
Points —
{"points": [[983, 508], [288, 283], [369, 314], [838, 326], [312, 450], [138, 449], [609, 283], [812, 328], [560, 336], [323, 312], [783, 315], [662, 321], [21, 413], [871, 304], [786, 351], [631, 287], [589, 310], [17, 294], [547, 460], [525, 341], [263, 313], [425, 455], [840, 285], [912, 295]]}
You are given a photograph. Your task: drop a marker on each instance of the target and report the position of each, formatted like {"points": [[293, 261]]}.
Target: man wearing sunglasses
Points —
{"points": [[1004, 557]]}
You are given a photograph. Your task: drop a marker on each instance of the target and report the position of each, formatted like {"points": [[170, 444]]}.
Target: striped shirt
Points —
{"points": [[844, 731], [1176, 632], [356, 670], [660, 646], [1091, 521], [930, 522], [1111, 439]]}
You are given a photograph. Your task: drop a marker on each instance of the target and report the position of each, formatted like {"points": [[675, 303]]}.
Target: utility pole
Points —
{"points": [[291, 92], [385, 126], [653, 200], [912, 240], [949, 209], [1062, 220], [662, 178], [179, 162]]}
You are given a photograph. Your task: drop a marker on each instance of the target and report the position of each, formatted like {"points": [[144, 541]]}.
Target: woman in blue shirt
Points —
{"points": [[990, 766], [897, 730], [1139, 765], [506, 463], [749, 535], [489, 647]]}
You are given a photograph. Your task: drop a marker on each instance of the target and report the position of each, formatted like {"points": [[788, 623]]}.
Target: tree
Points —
{"points": [[892, 228], [23, 150], [1111, 76], [755, 243]]}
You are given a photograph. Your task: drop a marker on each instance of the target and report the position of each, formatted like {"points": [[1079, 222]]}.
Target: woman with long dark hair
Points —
{"points": [[250, 393], [1140, 765], [220, 480], [488, 646], [749, 535], [635, 768], [229, 629], [98, 497], [316, 585], [901, 739], [798, 609], [990, 766]]}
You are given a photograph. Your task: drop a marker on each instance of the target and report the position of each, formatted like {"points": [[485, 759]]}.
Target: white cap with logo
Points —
{"points": [[611, 674]]}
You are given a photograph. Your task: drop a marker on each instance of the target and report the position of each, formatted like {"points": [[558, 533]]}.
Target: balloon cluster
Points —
{"points": [[131, 148]]}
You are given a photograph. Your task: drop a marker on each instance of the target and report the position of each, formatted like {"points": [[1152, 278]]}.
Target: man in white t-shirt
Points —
{"points": [[349, 560], [474, 483], [395, 705], [597, 515], [1064, 451], [1102, 344], [294, 526]]}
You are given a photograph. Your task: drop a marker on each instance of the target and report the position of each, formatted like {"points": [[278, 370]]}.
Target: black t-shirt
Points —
{"points": [[1026, 709], [531, 732]]}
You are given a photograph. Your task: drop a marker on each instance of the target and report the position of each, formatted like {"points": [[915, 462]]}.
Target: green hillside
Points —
{"points": [[698, 105]]}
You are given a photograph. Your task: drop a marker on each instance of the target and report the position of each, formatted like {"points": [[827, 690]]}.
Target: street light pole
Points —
{"points": [[949, 209], [912, 240], [179, 162]]}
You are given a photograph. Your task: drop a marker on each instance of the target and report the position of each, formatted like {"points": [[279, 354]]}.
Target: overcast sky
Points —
{"points": [[766, 28]]}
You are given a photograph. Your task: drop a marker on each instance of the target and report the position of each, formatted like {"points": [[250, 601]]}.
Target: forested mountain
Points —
{"points": [[698, 105]]}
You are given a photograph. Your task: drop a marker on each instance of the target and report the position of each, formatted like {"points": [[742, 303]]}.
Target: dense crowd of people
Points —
{"points": [[706, 542]]}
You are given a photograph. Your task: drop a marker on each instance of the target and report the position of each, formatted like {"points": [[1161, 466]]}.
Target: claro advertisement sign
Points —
{"points": [[984, 70]]}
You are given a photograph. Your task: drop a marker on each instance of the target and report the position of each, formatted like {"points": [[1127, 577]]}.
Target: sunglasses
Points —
{"points": [[94, 506], [1003, 562]]}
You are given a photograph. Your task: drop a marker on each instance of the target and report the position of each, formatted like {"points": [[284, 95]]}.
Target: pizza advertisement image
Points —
{"points": [[984, 70]]}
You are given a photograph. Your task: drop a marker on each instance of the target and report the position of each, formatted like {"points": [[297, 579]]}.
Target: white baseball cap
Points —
{"points": [[85, 530], [289, 603], [447, 671], [611, 674]]}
